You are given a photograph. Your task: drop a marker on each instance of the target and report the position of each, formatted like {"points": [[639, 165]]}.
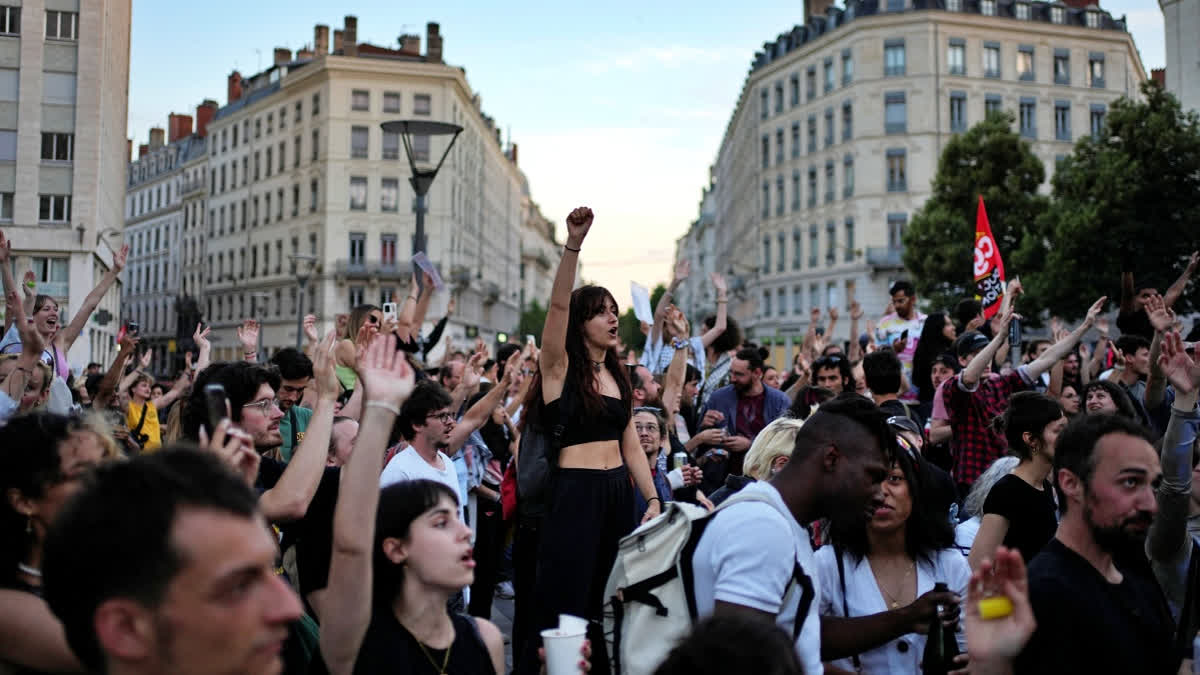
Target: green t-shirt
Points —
{"points": [[292, 437]]}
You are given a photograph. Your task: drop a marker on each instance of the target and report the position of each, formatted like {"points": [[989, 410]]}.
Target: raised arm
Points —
{"points": [[1180, 284], [247, 335], [479, 413], [1168, 536], [682, 269], [408, 311], [422, 307], [1163, 320], [676, 371], [203, 347], [553, 364], [833, 319], [175, 392], [722, 321], [974, 369], [469, 384], [1060, 349], [108, 385], [290, 497], [346, 610], [67, 336], [855, 353]]}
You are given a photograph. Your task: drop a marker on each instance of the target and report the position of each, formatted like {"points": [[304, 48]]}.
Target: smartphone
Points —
{"points": [[904, 335], [530, 340], [132, 327], [389, 311], [216, 404]]}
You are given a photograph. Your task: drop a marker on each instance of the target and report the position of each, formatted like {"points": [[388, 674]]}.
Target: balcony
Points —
{"points": [[885, 257], [372, 270], [55, 289]]}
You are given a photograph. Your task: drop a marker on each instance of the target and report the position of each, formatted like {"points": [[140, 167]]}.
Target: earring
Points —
{"points": [[29, 525]]}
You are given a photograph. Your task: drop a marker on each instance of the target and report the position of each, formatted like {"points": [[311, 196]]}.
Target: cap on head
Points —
{"points": [[970, 342]]}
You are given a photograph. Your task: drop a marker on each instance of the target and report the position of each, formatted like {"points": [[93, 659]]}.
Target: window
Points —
{"points": [[829, 83], [897, 174], [360, 99], [266, 208], [1025, 63], [814, 290], [895, 5], [1058, 15], [279, 205], [54, 208], [316, 104], [778, 97], [312, 195], [299, 111], [812, 249], [766, 252], [389, 195], [269, 162], [812, 186], [358, 248], [797, 299], [779, 146], [1028, 114], [794, 90], [1062, 120], [1092, 18], [779, 259], [9, 84], [422, 104], [358, 193], [316, 146], [387, 248], [810, 83], [987, 7], [796, 238], [296, 152], [781, 306], [6, 206], [391, 102], [795, 140], [233, 174], [766, 195], [812, 133], [1022, 11], [828, 127], [796, 190], [779, 200], [256, 163], [764, 104], [282, 117], [358, 142], [830, 243], [245, 169], [10, 20], [420, 148], [849, 231], [222, 173], [356, 296], [847, 121], [59, 88], [847, 67], [893, 58], [956, 56], [295, 200], [829, 187], [848, 177], [766, 151], [270, 123], [991, 103], [62, 25], [282, 149], [1096, 70], [953, 5], [991, 59], [958, 111], [391, 145], [254, 217], [766, 303], [896, 223], [895, 113], [1062, 66], [1098, 112], [57, 147], [258, 127]]}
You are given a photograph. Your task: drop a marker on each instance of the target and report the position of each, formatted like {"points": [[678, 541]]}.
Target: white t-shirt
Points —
{"points": [[746, 558], [409, 465], [864, 598]]}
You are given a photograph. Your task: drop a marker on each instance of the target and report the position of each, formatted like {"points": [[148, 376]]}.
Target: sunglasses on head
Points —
{"points": [[371, 318]]}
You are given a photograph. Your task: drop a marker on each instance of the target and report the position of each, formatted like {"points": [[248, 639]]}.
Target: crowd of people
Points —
{"points": [[356, 506]]}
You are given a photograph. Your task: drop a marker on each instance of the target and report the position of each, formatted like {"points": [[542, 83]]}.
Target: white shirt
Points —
{"points": [[964, 533], [746, 558], [657, 354], [864, 598], [409, 465]]}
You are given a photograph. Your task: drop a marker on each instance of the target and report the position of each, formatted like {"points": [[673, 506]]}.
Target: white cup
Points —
{"points": [[572, 623], [564, 650]]}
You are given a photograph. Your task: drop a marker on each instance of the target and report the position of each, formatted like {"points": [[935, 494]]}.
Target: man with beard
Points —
{"points": [[646, 390], [1095, 598], [746, 405]]}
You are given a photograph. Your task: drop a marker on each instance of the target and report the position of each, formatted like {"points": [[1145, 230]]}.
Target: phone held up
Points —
{"points": [[216, 404]]}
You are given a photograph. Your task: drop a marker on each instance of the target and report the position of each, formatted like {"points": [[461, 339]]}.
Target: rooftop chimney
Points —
{"points": [[815, 8], [350, 36], [321, 39], [178, 126], [143, 150], [129, 149], [283, 55], [156, 138], [304, 54], [433, 43], [234, 89], [512, 153], [410, 44], [205, 112], [337, 40]]}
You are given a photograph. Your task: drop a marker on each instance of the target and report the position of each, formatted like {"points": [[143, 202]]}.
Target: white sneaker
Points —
{"points": [[504, 590]]}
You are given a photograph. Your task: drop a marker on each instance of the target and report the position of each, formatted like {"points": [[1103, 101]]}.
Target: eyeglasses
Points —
{"points": [[264, 406], [527, 372], [646, 428], [371, 318], [647, 408], [445, 417]]}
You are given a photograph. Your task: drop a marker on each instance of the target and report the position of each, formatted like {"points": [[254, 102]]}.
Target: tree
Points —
{"points": [[533, 319], [1124, 200], [989, 159]]}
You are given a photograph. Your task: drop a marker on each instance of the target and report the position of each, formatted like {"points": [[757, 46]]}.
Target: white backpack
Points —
{"points": [[650, 596]]}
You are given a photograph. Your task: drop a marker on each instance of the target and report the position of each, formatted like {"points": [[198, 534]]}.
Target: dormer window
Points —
{"points": [[1093, 18], [987, 7], [1022, 11], [1058, 15], [953, 5]]}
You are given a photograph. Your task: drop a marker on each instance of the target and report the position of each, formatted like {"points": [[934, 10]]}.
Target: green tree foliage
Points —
{"points": [[533, 319], [989, 159], [630, 328], [1126, 200]]}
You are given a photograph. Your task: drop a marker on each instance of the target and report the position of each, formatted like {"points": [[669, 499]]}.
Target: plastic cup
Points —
{"points": [[564, 650], [571, 623]]}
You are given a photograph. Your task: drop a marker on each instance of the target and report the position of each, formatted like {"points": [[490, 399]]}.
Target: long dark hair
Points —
{"points": [[586, 302], [931, 343], [399, 505], [927, 530]]}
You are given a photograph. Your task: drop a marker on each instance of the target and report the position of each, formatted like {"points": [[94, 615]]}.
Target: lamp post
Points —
{"points": [[255, 297], [302, 267], [422, 179]]}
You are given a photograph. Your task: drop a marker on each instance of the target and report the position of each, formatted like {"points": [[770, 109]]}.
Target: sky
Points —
{"points": [[619, 105]]}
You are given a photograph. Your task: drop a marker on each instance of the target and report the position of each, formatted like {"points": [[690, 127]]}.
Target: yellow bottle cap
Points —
{"points": [[996, 607]]}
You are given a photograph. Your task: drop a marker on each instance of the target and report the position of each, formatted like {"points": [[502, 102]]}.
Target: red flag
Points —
{"points": [[989, 268]]}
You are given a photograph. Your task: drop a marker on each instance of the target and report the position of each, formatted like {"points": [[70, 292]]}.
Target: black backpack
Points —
{"points": [[537, 460]]}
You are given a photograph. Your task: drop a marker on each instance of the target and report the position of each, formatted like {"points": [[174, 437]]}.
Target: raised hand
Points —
{"points": [[1160, 317], [998, 640], [324, 374], [340, 322], [1192, 261], [718, 283], [815, 315], [247, 334], [833, 314], [31, 339], [1056, 326], [5, 248], [385, 372], [677, 323], [147, 357], [1181, 370], [511, 367], [119, 259], [451, 305], [1094, 311], [29, 284], [1102, 326], [473, 371], [235, 447], [856, 311], [683, 269], [310, 329], [578, 223], [200, 337]]}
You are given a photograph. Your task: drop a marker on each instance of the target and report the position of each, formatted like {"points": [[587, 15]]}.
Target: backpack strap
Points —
{"points": [[137, 431]]}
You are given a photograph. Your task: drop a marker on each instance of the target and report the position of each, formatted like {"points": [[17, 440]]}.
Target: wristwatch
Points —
{"points": [[678, 343]]}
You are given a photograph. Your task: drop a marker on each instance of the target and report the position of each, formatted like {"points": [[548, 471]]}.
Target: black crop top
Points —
{"points": [[580, 428]]}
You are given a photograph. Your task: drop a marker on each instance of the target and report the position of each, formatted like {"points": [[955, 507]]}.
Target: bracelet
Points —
{"points": [[381, 404], [722, 302], [571, 249], [653, 499]]}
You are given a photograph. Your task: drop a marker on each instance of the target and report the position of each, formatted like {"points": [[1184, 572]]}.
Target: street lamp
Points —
{"points": [[422, 179], [255, 297], [302, 267]]}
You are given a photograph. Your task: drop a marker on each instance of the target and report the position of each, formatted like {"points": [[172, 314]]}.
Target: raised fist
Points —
{"points": [[579, 222]]}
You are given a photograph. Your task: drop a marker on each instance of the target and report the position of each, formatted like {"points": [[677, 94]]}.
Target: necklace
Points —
{"points": [[445, 659], [31, 571], [597, 365], [893, 602]]}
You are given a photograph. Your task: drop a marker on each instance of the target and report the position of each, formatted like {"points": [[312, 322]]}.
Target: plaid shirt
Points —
{"points": [[976, 445]]}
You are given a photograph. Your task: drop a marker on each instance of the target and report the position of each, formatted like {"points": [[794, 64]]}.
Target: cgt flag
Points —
{"points": [[989, 268]]}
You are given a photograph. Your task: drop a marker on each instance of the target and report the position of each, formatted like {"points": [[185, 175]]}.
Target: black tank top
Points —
{"points": [[388, 647]]}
